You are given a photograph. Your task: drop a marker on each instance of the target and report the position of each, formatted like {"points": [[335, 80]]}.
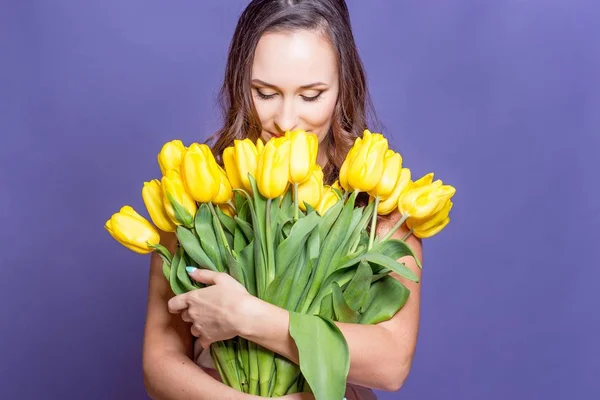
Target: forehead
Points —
{"points": [[294, 58]]}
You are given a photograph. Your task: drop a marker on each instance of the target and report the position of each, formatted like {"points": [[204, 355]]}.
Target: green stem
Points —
{"points": [[220, 227], [395, 228], [296, 202], [230, 203], [407, 235], [373, 223], [270, 276]]}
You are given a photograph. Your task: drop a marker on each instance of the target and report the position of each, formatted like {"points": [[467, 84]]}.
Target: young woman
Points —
{"points": [[292, 64]]}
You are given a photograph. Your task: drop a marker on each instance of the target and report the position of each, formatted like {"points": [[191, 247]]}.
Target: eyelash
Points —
{"points": [[270, 96]]}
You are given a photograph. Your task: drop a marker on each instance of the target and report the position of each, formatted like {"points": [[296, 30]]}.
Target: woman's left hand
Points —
{"points": [[215, 311]]}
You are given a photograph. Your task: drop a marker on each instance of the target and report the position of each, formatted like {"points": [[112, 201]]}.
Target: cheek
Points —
{"points": [[318, 116]]}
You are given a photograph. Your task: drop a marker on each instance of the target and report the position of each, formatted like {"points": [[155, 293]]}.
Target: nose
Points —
{"points": [[286, 118]]}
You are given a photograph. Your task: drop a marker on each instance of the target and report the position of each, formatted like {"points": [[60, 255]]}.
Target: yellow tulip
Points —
{"points": [[366, 167], [422, 181], [199, 173], [240, 160], [132, 230], [305, 147], [328, 199], [390, 203], [343, 179], [272, 175], [227, 209], [174, 192], [259, 145], [422, 202], [311, 190], [225, 192], [392, 164], [152, 195], [425, 228], [170, 156]]}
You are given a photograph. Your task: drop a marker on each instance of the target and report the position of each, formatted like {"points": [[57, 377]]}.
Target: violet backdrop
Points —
{"points": [[500, 99]]}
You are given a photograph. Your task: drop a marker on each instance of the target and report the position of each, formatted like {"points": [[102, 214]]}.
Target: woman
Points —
{"points": [[292, 64]]}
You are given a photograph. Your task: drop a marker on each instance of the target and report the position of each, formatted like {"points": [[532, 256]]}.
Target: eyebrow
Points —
{"points": [[309, 86]]}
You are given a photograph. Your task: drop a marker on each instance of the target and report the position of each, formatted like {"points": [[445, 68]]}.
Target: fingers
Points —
{"points": [[206, 276], [185, 315], [177, 304]]}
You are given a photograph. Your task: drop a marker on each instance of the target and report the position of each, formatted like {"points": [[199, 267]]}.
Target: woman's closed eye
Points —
{"points": [[267, 96]]}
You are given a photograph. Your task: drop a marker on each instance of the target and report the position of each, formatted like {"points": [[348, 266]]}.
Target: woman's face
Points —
{"points": [[294, 83]]}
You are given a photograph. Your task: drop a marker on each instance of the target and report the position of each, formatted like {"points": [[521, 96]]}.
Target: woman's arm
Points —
{"points": [[169, 371], [380, 355]]}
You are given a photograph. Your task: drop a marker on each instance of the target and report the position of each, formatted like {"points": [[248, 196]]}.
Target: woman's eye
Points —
{"points": [[265, 96], [312, 98]]}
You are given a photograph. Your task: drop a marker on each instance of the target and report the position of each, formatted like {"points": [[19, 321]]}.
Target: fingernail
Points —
{"points": [[190, 269]]}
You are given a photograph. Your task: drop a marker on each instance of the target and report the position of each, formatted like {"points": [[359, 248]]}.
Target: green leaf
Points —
{"points": [[245, 227], [239, 240], [166, 269], [162, 251], [342, 310], [246, 260], [331, 250], [182, 275], [395, 248], [387, 296], [329, 218], [326, 308], [288, 249], [205, 231], [313, 245], [324, 356], [227, 222], [356, 293], [176, 287], [358, 229], [302, 272], [191, 245], [392, 264], [181, 214]]}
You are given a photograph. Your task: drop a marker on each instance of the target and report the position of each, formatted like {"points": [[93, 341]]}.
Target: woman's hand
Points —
{"points": [[215, 311]]}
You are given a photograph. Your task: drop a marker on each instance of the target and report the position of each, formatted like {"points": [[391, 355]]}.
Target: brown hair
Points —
{"points": [[240, 119]]}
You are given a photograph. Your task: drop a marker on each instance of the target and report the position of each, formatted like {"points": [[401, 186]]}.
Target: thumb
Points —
{"points": [[203, 275]]}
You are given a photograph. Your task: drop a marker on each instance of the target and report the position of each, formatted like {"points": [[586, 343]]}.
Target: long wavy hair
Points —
{"points": [[353, 107]]}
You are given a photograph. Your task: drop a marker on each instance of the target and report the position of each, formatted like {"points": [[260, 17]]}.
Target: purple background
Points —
{"points": [[499, 98]]}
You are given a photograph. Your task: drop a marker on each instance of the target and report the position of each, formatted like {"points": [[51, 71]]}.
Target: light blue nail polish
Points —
{"points": [[190, 269]]}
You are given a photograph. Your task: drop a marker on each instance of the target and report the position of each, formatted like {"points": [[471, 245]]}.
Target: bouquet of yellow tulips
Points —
{"points": [[267, 219]]}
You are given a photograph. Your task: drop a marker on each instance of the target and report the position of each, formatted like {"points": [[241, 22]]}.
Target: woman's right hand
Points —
{"points": [[295, 396]]}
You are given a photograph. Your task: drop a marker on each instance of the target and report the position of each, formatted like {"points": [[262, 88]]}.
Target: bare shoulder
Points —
{"points": [[163, 331]]}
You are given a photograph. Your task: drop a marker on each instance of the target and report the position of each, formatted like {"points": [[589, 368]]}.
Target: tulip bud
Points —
{"points": [[225, 192], [390, 203], [240, 160], [422, 181], [305, 146], [152, 195], [170, 156], [179, 205], [392, 164], [259, 145], [132, 230], [227, 209], [422, 202], [428, 227], [343, 179], [310, 191], [199, 173], [328, 199], [272, 175], [366, 168]]}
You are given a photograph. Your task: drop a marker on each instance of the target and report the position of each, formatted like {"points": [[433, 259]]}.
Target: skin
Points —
{"points": [[380, 355]]}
